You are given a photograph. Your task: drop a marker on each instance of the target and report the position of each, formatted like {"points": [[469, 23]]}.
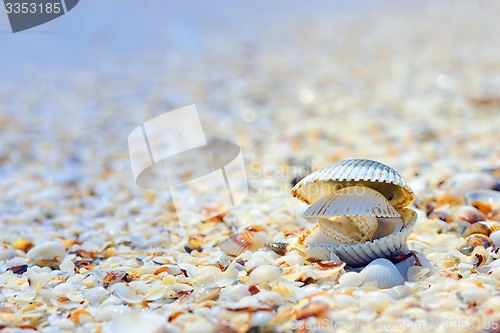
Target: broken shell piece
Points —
{"points": [[47, 254], [352, 201], [279, 248], [494, 215], [469, 214], [479, 240], [383, 272], [368, 173], [238, 243]]}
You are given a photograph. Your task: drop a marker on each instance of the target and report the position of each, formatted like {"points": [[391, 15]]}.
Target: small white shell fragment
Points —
{"points": [[7, 254], [264, 274], [375, 301], [144, 322], [96, 295], [399, 292], [350, 279], [416, 273], [383, 272], [486, 196], [126, 293], [463, 182], [495, 238], [261, 318], [47, 254], [473, 296], [291, 260], [352, 201]]}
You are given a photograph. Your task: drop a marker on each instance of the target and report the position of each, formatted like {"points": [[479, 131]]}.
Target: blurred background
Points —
{"points": [[413, 85]]}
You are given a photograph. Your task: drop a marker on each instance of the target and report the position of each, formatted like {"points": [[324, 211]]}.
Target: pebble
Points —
{"points": [[264, 274], [350, 279]]}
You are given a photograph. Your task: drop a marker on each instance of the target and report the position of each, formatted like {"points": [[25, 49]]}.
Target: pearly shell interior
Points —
{"points": [[367, 173]]}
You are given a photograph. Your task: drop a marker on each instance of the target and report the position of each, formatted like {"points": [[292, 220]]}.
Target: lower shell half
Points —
{"points": [[361, 254]]}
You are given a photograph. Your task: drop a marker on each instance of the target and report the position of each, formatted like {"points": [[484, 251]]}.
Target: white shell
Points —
{"points": [[360, 254], [352, 201], [383, 272], [495, 238], [125, 293], [47, 254], [463, 182], [375, 175], [488, 196]]}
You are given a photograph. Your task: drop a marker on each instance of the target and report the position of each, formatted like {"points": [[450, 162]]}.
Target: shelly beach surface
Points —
{"points": [[417, 87]]}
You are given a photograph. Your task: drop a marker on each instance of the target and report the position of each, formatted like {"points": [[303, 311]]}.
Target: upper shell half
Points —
{"points": [[372, 174]]}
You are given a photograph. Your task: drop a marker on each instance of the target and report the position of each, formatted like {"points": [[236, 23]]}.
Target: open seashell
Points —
{"points": [[238, 243], [368, 173], [383, 272], [360, 207]]}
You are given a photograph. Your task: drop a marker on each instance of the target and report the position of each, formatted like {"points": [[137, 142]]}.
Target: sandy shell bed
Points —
{"points": [[84, 249]]}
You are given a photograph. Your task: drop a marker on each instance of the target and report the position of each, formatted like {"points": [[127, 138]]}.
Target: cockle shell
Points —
{"points": [[477, 228], [360, 206], [360, 254], [352, 201], [238, 243], [368, 173], [383, 272]]}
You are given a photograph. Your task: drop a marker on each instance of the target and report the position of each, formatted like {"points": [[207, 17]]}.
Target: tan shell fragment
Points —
{"points": [[372, 174]]}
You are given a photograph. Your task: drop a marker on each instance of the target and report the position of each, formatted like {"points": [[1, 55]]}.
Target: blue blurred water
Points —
{"points": [[111, 35]]}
